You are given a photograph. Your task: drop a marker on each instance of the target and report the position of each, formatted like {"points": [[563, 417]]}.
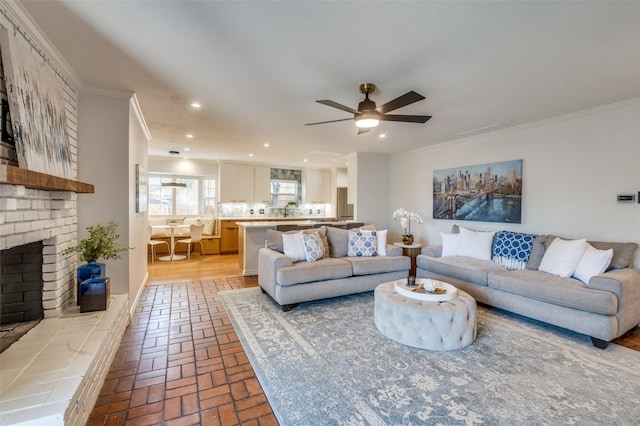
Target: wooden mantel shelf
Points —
{"points": [[16, 176]]}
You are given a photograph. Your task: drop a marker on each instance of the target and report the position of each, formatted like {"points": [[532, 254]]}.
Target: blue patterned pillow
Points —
{"points": [[362, 243], [313, 247], [512, 249]]}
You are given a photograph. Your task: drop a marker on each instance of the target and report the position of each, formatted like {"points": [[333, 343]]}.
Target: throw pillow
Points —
{"points": [[562, 257], [382, 242], [449, 244], [475, 244], [338, 241], [537, 251], [273, 239], [322, 233], [622, 253], [362, 243], [293, 246], [592, 262], [313, 247], [209, 226], [512, 249]]}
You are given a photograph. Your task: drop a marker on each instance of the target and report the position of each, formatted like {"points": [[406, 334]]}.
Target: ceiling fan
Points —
{"points": [[368, 115]]}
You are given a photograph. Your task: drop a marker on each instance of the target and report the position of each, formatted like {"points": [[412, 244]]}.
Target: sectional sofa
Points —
{"points": [[603, 306], [290, 280]]}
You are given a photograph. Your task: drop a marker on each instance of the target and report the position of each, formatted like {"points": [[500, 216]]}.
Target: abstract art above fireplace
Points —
{"points": [[37, 108]]}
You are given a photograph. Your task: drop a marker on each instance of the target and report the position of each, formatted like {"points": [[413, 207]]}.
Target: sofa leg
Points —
{"points": [[601, 344], [287, 308]]}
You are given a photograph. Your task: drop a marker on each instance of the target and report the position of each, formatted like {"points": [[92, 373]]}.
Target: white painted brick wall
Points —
{"points": [[28, 218]]}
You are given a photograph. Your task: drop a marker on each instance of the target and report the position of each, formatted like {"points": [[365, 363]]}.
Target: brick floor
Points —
{"points": [[180, 363]]}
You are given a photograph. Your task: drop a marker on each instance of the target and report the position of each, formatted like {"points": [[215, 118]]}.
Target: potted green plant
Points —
{"points": [[100, 244]]}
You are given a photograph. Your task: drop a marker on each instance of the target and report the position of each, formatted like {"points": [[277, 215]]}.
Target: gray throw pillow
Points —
{"points": [[338, 241], [622, 253], [537, 252], [274, 240]]}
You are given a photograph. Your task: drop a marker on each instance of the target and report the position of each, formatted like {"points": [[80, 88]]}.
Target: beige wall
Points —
{"points": [[573, 168], [111, 142]]}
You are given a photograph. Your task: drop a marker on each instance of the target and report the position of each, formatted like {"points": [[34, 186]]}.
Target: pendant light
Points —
{"points": [[174, 184]]}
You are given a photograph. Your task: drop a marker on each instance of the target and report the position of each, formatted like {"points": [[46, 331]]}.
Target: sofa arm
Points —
{"points": [[269, 261], [433, 251], [393, 250], [625, 283]]}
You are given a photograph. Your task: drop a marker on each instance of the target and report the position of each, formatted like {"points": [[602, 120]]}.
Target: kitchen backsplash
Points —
{"points": [[264, 210]]}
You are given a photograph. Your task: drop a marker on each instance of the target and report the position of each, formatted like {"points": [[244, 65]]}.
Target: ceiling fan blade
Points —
{"points": [[362, 130], [399, 102], [330, 121], [339, 106], [406, 118]]}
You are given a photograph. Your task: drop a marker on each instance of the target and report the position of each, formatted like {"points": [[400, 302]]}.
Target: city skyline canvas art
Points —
{"points": [[489, 192]]}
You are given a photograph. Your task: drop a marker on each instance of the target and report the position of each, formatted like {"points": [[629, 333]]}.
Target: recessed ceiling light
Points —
{"points": [[187, 149], [189, 135], [305, 160], [185, 158], [250, 155], [382, 135], [196, 105], [266, 145]]}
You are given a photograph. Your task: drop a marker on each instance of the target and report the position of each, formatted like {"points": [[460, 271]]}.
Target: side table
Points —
{"points": [[412, 251]]}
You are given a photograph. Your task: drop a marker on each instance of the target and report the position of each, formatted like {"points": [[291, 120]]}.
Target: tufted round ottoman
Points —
{"points": [[437, 326]]}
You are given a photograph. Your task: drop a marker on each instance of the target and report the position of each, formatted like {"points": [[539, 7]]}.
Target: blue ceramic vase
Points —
{"points": [[86, 271]]}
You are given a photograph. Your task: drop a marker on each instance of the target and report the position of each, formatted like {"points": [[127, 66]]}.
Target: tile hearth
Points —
{"points": [[54, 373]]}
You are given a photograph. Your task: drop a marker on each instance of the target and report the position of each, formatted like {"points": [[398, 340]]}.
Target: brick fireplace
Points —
{"points": [[50, 218]]}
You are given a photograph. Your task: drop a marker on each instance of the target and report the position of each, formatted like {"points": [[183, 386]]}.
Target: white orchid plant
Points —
{"points": [[405, 217]]}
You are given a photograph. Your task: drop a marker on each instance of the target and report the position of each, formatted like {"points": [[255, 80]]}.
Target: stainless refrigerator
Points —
{"points": [[344, 211]]}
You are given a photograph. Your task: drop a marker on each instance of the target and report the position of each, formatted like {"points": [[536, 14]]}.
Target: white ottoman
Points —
{"points": [[436, 326]]}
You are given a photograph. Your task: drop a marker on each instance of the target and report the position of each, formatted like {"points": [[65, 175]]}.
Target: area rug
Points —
{"points": [[325, 363]]}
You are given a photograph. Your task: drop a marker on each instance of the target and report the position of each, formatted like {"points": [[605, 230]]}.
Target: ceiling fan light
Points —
{"points": [[366, 122]]}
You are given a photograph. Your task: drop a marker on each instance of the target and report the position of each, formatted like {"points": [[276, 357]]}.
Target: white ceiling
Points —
{"points": [[258, 67]]}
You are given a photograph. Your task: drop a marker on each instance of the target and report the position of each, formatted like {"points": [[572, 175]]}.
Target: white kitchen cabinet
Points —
{"points": [[228, 182], [317, 186], [262, 184], [246, 183]]}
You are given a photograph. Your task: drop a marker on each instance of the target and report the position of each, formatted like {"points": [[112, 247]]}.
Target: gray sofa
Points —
{"points": [[604, 310], [290, 283]]}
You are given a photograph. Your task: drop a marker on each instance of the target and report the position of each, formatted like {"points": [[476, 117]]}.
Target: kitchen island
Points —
{"points": [[251, 237]]}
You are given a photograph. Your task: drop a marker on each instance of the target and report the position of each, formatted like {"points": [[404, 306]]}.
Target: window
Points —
{"points": [[283, 191], [199, 196]]}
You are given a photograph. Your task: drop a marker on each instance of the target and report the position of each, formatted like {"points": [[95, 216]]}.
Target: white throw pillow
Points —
{"points": [[293, 246], [382, 242], [449, 244], [475, 244], [592, 262], [562, 257]]}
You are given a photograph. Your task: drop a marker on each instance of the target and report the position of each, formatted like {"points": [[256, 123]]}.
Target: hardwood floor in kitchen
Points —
{"points": [[180, 361]]}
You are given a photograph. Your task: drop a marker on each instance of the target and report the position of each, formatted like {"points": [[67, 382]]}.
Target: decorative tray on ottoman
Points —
{"points": [[443, 291]]}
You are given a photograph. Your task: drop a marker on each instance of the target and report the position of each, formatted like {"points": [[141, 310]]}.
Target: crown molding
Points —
{"points": [[138, 112], [23, 23]]}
